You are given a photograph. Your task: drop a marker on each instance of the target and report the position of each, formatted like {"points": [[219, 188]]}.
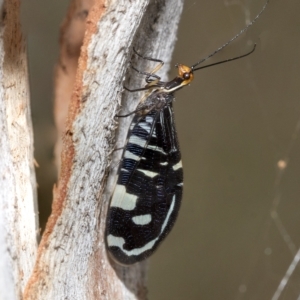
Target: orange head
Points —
{"points": [[186, 73]]}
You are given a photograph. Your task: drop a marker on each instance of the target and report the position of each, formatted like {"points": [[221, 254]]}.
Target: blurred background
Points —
{"points": [[237, 235]]}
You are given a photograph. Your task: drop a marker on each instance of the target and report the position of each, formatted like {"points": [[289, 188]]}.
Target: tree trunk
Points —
{"points": [[72, 262], [18, 224]]}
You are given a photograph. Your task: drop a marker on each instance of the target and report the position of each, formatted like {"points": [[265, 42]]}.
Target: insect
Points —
{"points": [[147, 196]]}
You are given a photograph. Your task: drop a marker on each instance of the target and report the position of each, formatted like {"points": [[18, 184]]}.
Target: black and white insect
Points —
{"points": [[147, 196]]}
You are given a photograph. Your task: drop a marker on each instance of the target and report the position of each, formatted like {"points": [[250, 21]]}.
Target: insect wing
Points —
{"points": [[148, 193]]}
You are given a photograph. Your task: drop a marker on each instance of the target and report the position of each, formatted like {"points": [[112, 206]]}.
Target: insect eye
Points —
{"points": [[186, 76]]}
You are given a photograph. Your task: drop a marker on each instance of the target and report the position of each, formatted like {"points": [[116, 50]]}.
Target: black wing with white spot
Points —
{"points": [[147, 197]]}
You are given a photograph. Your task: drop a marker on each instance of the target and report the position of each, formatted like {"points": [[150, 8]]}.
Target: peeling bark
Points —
{"points": [[71, 40]]}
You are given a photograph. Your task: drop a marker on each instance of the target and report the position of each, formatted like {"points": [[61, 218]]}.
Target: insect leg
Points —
{"points": [[147, 58], [148, 75], [150, 82], [140, 108], [155, 69], [139, 89]]}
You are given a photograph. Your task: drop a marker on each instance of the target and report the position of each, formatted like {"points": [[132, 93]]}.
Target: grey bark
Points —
{"points": [[73, 262], [18, 225]]}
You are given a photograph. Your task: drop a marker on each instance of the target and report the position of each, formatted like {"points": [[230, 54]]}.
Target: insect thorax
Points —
{"points": [[156, 101]]}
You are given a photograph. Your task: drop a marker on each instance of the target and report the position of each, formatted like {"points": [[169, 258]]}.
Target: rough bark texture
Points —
{"points": [[72, 261], [71, 39], [18, 226]]}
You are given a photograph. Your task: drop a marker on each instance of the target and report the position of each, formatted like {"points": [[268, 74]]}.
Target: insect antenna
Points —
{"points": [[231, 40], [227, 60]]}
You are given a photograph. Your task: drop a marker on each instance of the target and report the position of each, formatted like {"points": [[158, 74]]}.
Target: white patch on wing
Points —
{"points": [[164, 163], [180, 184], [122, 199], [142, 219], [154, 133], [132, 125], [146, 126], [119, 241], [130, 155], [177, 166], [149, 119], [155, 148], [137, 141], [168, 215], [148, 173], [115, 241]]}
